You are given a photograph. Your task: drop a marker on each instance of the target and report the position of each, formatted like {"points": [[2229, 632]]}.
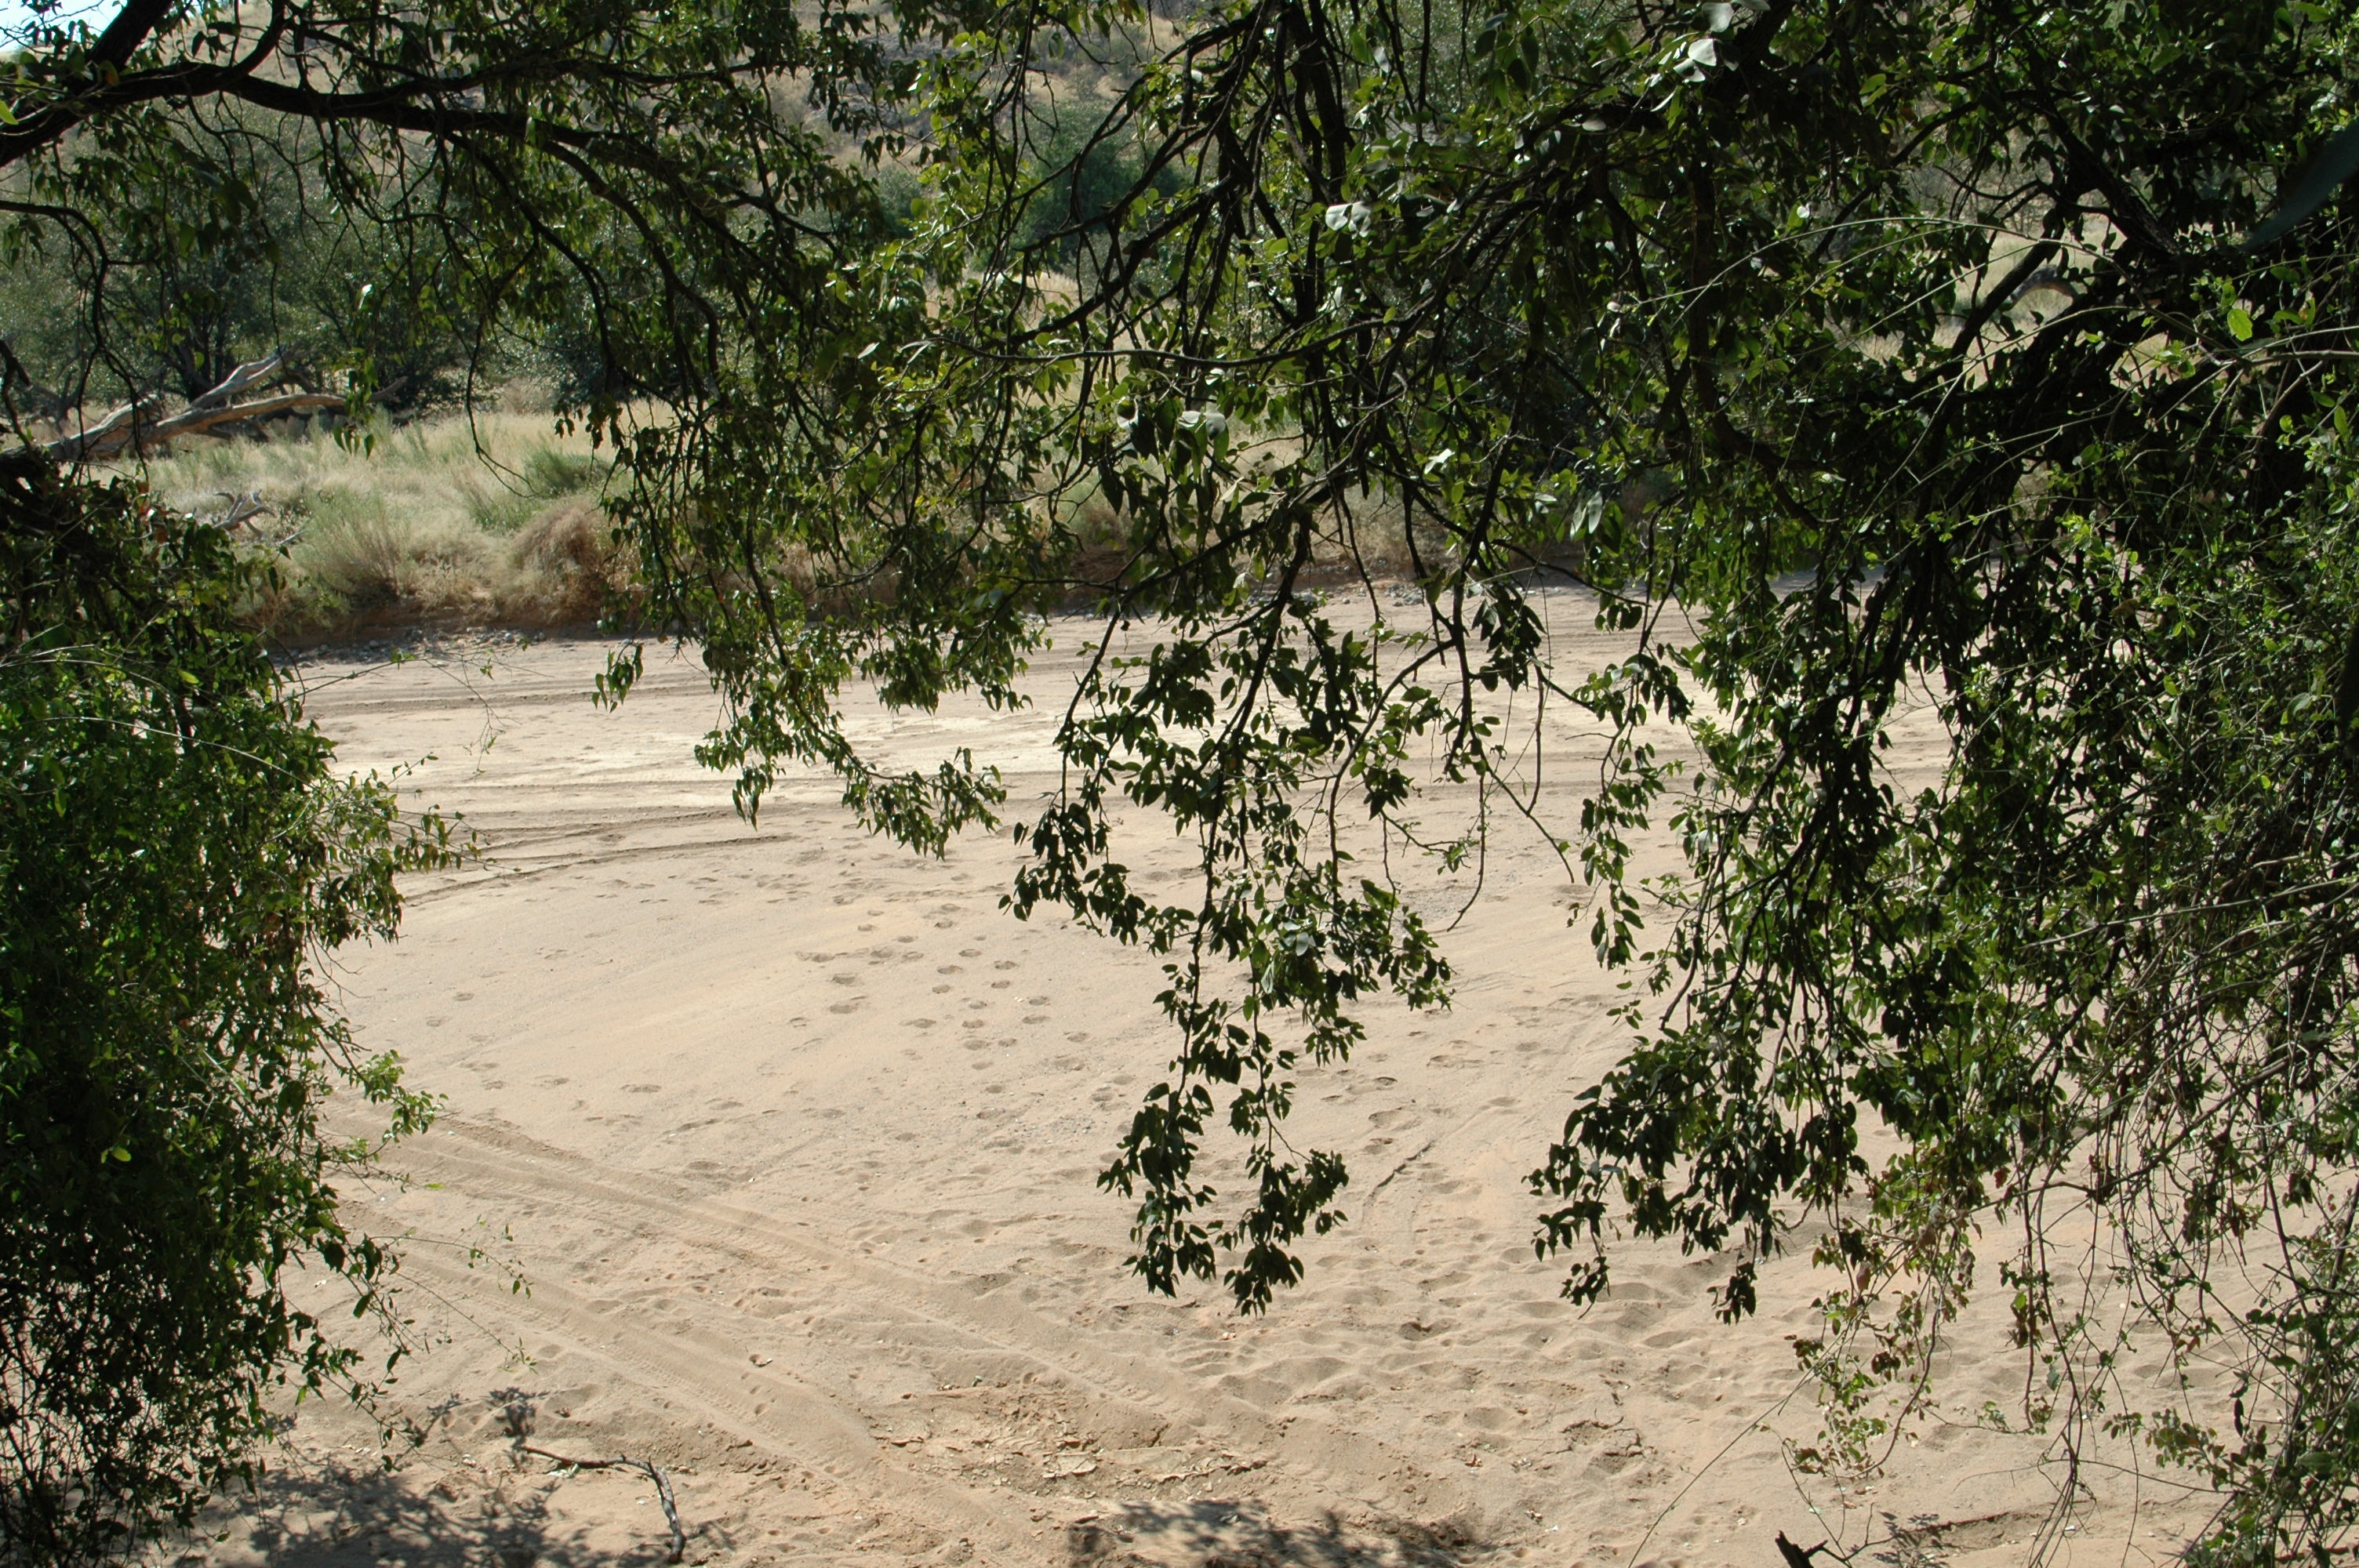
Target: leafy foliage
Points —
{"points": [[129, 304], [1083, 173], [636, 187], [177, 850], [1961, 364], [1919, 356]]}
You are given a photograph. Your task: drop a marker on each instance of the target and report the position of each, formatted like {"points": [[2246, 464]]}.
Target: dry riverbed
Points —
{"points": [[791, 1137]]}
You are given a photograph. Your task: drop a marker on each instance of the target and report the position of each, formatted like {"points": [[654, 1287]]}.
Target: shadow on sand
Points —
{"points": [[1210, 1534], [350, 1516]]}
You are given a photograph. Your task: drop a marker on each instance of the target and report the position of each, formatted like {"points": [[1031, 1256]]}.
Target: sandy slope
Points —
{"points": [[792, 1135]]}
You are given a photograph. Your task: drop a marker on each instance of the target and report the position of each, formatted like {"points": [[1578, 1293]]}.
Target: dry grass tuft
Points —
{"points": [[571, 545], [452, 523]]}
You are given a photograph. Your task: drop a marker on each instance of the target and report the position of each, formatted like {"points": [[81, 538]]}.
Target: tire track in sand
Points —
{"points": [[778, 1415], [500, 1163]]}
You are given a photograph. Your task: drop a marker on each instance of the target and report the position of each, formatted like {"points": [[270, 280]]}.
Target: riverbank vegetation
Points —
{"points": [[443, 523]]}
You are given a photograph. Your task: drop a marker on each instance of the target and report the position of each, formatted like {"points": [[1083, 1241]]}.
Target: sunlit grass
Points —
{"points": [[450, 522]]}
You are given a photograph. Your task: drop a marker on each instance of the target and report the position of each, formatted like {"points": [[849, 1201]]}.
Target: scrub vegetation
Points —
{"points": [[444, 522]]}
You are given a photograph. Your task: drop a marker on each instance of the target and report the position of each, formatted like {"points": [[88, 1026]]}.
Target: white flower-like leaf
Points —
{"points": [[1352, 216]]}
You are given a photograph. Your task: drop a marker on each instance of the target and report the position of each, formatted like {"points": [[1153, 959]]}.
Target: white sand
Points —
{"points": [[792, 1136]]}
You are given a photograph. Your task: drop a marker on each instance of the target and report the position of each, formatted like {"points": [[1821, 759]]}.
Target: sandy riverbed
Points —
{"points": [[791, 1135]]}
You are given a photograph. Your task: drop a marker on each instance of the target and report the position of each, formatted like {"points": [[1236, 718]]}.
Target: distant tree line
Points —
{"points": [[170, 296]]}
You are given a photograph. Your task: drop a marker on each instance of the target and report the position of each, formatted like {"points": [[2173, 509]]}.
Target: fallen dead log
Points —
{"points": [[129, 425], [653, 1473], [261, 372], [243, 509], [80, 444], [195, 421]]}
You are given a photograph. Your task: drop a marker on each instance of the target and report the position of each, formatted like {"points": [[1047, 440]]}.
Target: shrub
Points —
{"points": [[177, 852]]}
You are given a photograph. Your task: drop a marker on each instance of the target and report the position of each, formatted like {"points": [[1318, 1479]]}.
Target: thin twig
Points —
{"points": [[653, 1472]]}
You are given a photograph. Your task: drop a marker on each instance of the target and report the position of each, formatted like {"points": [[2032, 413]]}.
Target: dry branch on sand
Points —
{"points": [[653, 1472]]}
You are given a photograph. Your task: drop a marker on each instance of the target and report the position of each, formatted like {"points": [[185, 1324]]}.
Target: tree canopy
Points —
{"points": [[642, 183], [1988, 362], [1982, 361]]}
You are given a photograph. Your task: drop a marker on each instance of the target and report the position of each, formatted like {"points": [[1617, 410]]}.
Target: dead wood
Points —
{"points": [[129, 425], [83, 443], [653, 1473]]}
